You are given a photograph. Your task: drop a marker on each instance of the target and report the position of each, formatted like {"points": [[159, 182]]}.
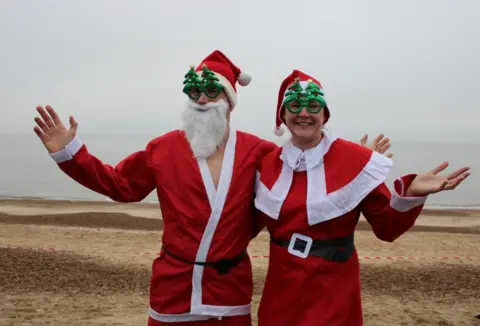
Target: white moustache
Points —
{"points": [[207, 106]]}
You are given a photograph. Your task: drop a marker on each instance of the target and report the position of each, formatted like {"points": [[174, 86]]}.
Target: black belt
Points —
{"points": [[223, 266], [336, 249]]}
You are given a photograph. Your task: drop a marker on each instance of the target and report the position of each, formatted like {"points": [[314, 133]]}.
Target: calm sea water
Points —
{"points": [[27, 170]]}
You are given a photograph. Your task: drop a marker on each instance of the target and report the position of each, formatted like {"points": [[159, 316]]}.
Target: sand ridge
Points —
{"points": [[148, 215], [126, 221]]}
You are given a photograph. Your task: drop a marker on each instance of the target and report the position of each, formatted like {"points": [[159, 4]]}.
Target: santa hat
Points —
{"points": [[291, 79], [227, 73]]}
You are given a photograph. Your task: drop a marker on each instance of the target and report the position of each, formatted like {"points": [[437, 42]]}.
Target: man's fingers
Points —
{"points": [[389, 155], [53, 114], [41, 124], [73, 123], [48, 120], [439, 168], [39, 133]]}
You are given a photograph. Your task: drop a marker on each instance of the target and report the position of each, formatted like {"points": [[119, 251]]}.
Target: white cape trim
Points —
{"points": [[321, 206]]}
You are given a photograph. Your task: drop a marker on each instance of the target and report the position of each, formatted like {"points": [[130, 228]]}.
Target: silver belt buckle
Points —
{"points": [[296, 252]]}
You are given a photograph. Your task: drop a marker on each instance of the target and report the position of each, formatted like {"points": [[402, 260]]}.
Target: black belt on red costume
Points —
{"points": [[223, 266], [335, 249]]}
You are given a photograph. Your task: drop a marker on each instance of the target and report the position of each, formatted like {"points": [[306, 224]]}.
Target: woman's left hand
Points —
{"points": [[431, 182]]}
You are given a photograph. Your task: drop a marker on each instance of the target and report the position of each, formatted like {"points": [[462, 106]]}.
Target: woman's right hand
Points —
{"points": [[380, 144]]}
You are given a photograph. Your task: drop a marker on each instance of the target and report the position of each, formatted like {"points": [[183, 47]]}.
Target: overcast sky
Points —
{"points": [[410, 69]]}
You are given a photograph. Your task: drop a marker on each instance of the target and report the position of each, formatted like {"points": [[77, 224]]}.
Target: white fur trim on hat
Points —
{"points": [[232, 95], [279, 131], [244, 79]]}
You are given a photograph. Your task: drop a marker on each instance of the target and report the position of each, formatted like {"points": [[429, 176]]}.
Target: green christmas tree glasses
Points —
{"points": [[311, 98], [196, 85]]}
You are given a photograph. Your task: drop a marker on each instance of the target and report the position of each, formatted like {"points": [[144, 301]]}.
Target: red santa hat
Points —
{"points": [[227, 73], [287, 82]]}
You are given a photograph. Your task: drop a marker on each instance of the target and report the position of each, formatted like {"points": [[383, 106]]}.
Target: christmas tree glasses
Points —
{"points": [[311, 98], [195, 86]]}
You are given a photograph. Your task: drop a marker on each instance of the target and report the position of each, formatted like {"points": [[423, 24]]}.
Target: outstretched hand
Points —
{"points": [[380, 144], [51, 130], [431, 182]]}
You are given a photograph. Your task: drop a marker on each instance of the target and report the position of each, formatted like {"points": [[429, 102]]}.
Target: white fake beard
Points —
{"points": [[205, 126]]}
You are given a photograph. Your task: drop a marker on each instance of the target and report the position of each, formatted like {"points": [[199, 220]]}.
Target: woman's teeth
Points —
{"points": [[304, 123]]}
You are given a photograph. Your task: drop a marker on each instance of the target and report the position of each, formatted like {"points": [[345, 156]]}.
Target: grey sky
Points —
{"points": [[407, 68]]}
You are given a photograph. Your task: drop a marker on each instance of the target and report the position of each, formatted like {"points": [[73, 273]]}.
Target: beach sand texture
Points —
{"points": [[88, 263]]}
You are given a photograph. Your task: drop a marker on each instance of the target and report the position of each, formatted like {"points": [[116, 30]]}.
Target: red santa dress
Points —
{"points": [[311, 201], [201, 223]]}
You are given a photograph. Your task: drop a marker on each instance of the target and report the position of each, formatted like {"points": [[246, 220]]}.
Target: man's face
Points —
{"points": [[205, 123], [204, 99], [304, 124]]}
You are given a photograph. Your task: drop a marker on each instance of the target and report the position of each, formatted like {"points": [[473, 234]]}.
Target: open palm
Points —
{"points": [[51, 130], [380, 144], [431, 182]]}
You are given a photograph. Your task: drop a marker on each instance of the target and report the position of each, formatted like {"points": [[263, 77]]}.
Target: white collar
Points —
{"points": [[293, 155]]}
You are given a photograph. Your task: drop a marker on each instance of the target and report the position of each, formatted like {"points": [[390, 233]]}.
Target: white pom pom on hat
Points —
{"points": [[244, 79], [279, 131]]}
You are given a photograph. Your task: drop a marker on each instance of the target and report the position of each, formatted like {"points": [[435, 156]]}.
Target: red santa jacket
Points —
{"points": [[201, 223]]}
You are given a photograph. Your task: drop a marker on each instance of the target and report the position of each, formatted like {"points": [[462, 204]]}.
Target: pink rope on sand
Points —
{"points": [[401, 258]]}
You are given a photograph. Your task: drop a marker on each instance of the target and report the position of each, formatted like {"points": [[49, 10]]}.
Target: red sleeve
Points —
{"points": [[131, 180], [258, 223], [266, 147], [392, 214]]}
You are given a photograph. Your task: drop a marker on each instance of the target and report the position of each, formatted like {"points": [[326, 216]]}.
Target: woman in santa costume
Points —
{"points": [[311, 192]]}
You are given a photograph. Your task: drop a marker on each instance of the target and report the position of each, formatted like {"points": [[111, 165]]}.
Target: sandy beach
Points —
{"points": [[88, 263]]}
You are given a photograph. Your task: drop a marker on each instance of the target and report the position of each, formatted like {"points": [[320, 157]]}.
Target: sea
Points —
{"points": [[28, 171]]}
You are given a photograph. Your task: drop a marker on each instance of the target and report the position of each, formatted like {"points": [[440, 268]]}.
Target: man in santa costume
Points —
{"points": [[311, 192], [206, 207], [204, 176]]}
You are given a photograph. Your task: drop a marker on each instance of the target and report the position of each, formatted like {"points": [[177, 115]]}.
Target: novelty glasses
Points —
{"points": [[311, 98], [207, 84]]}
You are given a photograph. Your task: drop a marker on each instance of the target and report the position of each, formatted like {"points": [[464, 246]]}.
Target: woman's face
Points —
{"points": [[304, 125]]}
